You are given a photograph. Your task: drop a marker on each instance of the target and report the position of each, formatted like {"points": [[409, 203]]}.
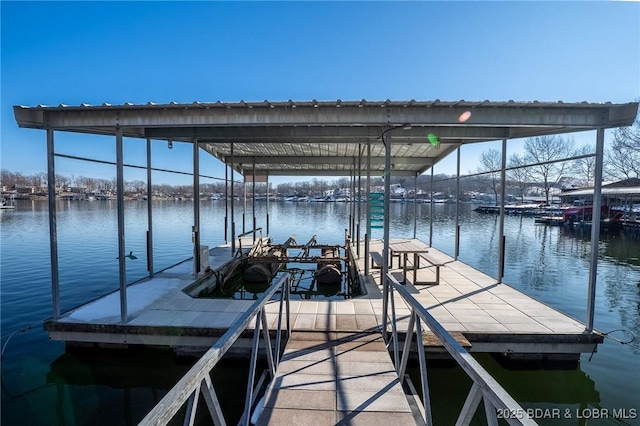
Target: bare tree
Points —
{"points": [[62, 181], [518, 175], [44, 179], [6, 178], [139, 187], [623, 158], [491, 164], [544, 153], [585, 168]]}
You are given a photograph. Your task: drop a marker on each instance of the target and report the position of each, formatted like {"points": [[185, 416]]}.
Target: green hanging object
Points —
{"points": [[433, 139]]}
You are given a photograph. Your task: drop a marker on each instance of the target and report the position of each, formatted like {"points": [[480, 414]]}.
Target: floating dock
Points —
{"points": [[483, 315]]}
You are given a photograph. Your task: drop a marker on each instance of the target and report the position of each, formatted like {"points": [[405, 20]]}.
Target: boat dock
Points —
{"points": [[259, 140], [484, 315]]}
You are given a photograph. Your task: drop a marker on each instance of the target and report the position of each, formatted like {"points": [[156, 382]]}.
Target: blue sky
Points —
{"points": [[116, 52]]}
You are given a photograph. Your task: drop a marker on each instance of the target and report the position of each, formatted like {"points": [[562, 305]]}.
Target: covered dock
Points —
{"points": [[259, 140]]}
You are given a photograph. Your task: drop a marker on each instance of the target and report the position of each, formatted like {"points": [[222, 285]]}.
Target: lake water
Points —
{"points": [[42, 383]]}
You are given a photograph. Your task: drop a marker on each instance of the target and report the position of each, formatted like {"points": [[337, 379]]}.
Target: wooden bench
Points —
{"points": [[376, 259], [433, 262]]}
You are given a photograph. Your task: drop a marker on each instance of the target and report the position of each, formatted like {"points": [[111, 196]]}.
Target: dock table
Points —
{"points": [[404, 248]]}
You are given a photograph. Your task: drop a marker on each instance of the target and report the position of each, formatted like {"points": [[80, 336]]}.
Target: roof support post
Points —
{"points": [[368, 189], [149, 212], [244, 204], [595, 229], [367, 235], [431, 211], [53, 227], [253, 197], [415, 206], [386, 138], [122, 267], [226, 202], [233, 221], [195, 230], [267, 212], [457, 248], [503, 185], [359, 205], [353, 197]]}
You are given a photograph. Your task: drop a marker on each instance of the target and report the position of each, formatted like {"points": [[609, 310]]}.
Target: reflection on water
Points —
{"points": [[537, 388], [42, 383], [132, 380]]}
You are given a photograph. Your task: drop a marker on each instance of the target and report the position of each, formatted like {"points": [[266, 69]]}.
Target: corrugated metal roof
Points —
{"points": [[327, 104], [326, 137]]}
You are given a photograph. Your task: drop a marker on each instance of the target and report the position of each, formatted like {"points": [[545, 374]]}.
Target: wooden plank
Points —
{"points": [[432, 260], [430, 340], [376, 259]]}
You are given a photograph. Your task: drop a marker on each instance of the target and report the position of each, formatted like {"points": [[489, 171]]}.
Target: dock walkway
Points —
{"points": [[491, 316], [333, 379]]}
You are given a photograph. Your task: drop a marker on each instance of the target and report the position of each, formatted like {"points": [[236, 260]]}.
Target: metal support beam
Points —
{"points": [[253, 198], [431, 212], [595, 230], [122, 267], [267, 212], [503, 181], [233, 220], [457, 248], [415, 205], [196, 208], [368, 190], [353, 194], [328, 160], [53, 227], [244, 205], [226, 203], [359, 193], [386, 138], [149, 212], [367, 235]]}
